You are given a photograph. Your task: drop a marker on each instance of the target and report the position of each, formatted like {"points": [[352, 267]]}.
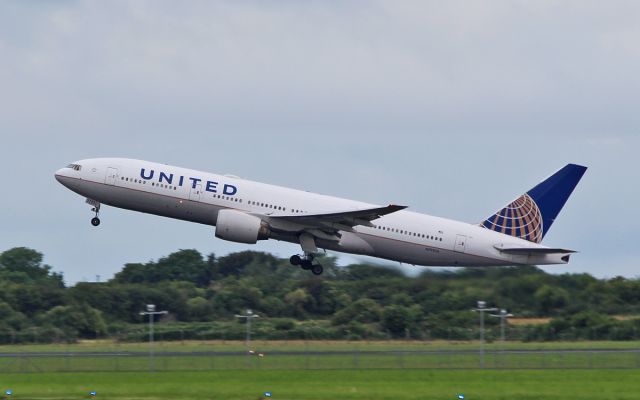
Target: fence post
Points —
{"points": [[306, 351], [356, 357]]}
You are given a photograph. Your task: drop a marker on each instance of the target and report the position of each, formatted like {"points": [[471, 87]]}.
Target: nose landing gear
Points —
{"points": [[95, 221]]}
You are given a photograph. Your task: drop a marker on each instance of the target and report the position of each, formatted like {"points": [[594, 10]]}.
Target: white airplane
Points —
{"points": [[244, 211]]}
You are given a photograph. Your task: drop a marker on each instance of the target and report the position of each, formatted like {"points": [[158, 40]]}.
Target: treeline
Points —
{"points": [[202, 295]]}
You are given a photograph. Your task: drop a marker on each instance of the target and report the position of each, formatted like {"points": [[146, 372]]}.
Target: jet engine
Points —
{"points": [[237, 226]]}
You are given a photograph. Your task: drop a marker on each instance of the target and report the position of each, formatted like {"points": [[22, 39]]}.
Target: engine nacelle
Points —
{"points": [[240, 227]]}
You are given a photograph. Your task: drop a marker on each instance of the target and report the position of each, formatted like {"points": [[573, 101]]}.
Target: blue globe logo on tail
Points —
{"points": [[531, 215], [520, 218]]}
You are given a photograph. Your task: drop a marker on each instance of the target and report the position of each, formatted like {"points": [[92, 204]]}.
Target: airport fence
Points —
{"points": [[310, 356]]}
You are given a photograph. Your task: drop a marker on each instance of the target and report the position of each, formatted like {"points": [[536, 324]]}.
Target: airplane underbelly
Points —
{"points": [[407, 252], [355, 244], [151, 203], [420, 254]]}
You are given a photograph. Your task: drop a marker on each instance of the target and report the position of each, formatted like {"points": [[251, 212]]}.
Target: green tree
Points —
{"points": [[82, 320], [199, 309], [297, 300], [550, 299], [396, 320], [362, 310], [24, 265], [183, 265]]}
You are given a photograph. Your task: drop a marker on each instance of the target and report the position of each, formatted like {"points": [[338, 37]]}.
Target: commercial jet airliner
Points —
{"points": [[244, 211]]}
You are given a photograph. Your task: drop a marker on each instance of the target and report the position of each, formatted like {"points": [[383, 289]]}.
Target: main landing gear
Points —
{"points": [[308, 244], [306, 262]]}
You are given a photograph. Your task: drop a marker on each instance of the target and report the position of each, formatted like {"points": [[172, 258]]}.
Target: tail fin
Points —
{"points": [[531, 215]]}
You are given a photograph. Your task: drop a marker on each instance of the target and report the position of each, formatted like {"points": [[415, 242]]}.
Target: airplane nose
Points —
{"points": [[59, 174]]}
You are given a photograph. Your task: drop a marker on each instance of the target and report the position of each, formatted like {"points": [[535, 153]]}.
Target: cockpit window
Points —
{"points": [[75, 167]]}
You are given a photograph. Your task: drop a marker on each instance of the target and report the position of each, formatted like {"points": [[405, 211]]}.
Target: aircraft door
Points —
{"points": [[112, 175], [461, 243], [195, 192]]}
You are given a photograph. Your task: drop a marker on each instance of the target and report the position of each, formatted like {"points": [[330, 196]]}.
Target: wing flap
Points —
{"points": [[349, 218], [331, 223]]}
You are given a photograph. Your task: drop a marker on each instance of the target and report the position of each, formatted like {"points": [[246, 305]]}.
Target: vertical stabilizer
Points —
{"points": [[531, 215]]}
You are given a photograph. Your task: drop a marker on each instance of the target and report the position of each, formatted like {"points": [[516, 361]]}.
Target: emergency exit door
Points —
{"points": [[112, 175], [461, 243], [195, 192]]}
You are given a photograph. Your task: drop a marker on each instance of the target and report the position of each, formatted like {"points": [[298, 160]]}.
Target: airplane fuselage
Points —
{"points": [[196, 196]]}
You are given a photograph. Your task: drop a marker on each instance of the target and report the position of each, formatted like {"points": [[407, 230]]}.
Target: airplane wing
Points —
{"points": [[327, 225]]}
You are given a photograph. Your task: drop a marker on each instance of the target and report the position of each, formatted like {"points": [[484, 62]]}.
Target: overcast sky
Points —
{"points": [[452, 108]]}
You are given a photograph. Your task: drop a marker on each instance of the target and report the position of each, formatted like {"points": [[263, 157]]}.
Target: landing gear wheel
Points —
{"points": [[306, 265], [95, 221], [317, 269], [295, 260]]}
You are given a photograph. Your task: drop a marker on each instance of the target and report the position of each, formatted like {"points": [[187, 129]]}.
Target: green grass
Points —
{"points": [[355, 361], [368, 373], [354, 356], [302, 346], [330, 384]]}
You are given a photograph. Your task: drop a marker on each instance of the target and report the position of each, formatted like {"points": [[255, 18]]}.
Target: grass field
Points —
{"points": [[324, 370], [313, 345], [330, 385], [207, 356], [349, 361]]}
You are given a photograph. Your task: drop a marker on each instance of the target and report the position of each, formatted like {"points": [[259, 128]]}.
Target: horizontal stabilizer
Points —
{"points": [[532, 250]]}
